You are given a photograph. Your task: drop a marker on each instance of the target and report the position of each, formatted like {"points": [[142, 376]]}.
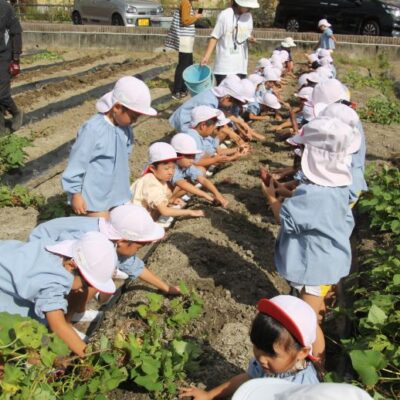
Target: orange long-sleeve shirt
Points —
{"points": [[186, 18]]}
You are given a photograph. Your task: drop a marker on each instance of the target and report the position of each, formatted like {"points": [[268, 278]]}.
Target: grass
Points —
{"points": [[44, 56]]}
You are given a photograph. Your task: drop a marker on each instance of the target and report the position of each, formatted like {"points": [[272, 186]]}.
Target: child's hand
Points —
{"points": [[174, 290], [208, 197], [196, 213], [268, 191], [78, 204], [221, 200], [195, 393], [222, 158], [179, 202]]}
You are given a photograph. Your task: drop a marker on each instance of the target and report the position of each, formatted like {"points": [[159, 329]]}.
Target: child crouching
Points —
{"points": [[153, 190], [282, 335]]}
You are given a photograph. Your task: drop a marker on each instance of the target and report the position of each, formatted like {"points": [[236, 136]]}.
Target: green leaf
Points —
{"points": [[179, 346], [142, 310], [396, 279], [47, 357], [59, 347], [150, 365], [376, 315], [149, 382], [184, 289], [12, 374], [367, 363]]}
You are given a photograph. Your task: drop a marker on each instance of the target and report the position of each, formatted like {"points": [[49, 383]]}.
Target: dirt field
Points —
{"points": [[227, 256]]}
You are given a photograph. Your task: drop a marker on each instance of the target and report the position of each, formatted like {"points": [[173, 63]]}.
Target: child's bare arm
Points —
{"points": [[78, 204], [223, 390], [176, 212], [258, 117], [270, 194], [59, 325], [154, 280], [212, 188], [188, 187]]}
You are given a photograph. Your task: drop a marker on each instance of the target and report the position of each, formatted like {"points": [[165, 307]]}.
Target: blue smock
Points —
{"points": [[98, 165], [359, 184], [60, 229], [208, 145], [33, 281], [189, 174], [254, 108], [313, 246], [326, 41], [306, 376], [182, 118]]}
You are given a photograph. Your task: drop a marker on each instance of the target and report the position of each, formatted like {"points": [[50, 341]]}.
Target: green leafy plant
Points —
{"points": [[19, 196], [357, 81], [43, 56], [54, 207], [151, 351], [381, 110], [12, 153], [374, 348]]}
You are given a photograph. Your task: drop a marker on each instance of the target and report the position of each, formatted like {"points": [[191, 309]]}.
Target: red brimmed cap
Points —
{"points": [[295, 315]]}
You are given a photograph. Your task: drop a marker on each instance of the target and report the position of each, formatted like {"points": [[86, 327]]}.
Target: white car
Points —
{"points": [[117, 12]]}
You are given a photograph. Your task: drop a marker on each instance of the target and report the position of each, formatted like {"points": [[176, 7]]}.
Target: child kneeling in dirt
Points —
{"points": [[40, 279], [153, 190], [282, 335], [129, 227], [205, 121], [97, 175], [186, 173]]}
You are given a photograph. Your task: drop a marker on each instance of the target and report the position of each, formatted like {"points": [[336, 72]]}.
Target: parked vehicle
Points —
{"points": [[117, 12], [365, 17]]}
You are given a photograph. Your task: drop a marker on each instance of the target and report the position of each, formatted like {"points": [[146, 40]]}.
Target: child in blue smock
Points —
{"points": [[40, 279], [97, 175], [228, 94], [186, 174], [266, 108], [204, 121], [327, 40], [282, 335], [129, 227], [313, 250]]}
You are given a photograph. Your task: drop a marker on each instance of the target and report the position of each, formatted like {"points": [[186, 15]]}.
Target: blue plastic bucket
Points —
{"points": [[198, 78]]}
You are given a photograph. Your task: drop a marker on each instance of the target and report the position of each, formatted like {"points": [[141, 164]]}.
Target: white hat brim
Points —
{"points": [[325, 168], [247, 4], [262, 389]]}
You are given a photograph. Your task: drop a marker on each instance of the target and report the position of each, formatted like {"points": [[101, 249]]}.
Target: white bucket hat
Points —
{"points": [[325, 73], [326, 157], [230, 86], [288, 42], [131, 222], [131, 93], [295, 315], [280, 389], [161, 151], [324, 22], [94, 256], [312, 57], [270, 100], [276, 60], [314, 77], [326, 61], [347, 115], [323, 53], [329, 92], [256, 79], [248, 3], [302, 80], [203, 113], [184, 144], [263, 63], [223, 120], [305, 93], [271, 74]]}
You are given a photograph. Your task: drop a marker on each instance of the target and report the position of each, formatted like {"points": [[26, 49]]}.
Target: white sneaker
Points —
{"points": [[118, 274], [86, 316], [81, 335]]}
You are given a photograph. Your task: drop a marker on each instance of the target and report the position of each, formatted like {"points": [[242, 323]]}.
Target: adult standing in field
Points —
{"points": [[230, 37], [181, 38], [10, 50]]}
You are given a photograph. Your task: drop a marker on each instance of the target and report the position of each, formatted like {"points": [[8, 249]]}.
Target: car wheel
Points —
{"points": [[292, 25], [371, 28], [117, 20], [76, 18]]}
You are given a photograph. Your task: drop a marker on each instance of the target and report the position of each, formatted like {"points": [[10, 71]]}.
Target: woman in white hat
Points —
{"points": [[230, 37], [313, 250], [97, 176], [40, 279]]}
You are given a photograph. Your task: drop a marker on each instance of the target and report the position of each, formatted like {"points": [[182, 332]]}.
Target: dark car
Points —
{"points": [[365, 17]]}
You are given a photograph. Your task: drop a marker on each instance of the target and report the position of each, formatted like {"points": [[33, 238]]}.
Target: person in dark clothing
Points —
{"points": [[10, 51]]}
